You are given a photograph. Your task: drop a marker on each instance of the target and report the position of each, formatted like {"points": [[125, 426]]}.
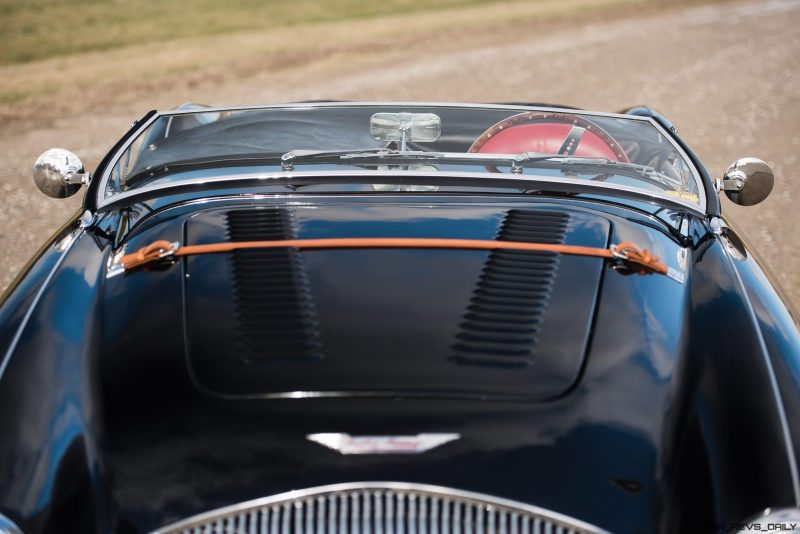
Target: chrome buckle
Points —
{"points": [[617, 254], [170, 252]]}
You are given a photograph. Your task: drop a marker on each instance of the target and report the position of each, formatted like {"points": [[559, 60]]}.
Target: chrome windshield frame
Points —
{"points": [[104, 201], [549, 183]]}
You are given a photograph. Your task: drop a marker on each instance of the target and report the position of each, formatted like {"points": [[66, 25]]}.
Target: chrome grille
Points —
{"points": [[380, 508]]}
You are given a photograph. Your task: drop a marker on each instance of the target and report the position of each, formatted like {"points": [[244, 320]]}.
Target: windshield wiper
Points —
{"points": [[298, 156], [386, 155], [518, 162], [610, 168], [160, 170], [567, 165]]}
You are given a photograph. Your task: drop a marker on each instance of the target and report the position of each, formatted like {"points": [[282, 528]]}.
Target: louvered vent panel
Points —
{"points": [[381, 510], [505, 313], [275, 315]]}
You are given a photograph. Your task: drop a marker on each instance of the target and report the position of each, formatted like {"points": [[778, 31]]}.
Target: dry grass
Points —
{"points": [[237, 38], [40, 29]]}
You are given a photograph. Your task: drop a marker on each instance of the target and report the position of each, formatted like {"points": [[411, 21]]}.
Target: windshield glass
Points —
{"points": [[193, 143]]}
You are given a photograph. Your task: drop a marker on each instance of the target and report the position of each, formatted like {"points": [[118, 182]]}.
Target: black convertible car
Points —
{"points": [[354, 318]]}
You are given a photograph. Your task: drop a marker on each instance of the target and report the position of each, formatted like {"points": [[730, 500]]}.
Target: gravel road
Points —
{"points": [[727, 75]]}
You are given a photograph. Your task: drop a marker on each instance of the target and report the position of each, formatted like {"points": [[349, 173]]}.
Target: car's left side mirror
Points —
{"points": [[747, 181], [59, 173]]}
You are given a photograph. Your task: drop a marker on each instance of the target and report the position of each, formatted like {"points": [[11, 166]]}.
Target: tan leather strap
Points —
{"points": [[641, 261]]}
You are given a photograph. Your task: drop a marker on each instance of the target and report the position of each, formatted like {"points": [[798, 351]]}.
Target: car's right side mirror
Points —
{"points": [[747, 181]]}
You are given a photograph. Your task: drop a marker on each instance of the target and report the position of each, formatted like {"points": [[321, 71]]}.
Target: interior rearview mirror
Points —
{"points": [[405, 127]]}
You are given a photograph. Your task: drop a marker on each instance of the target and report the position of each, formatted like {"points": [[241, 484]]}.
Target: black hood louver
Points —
{"points": [[505, 312], [274, 311]]}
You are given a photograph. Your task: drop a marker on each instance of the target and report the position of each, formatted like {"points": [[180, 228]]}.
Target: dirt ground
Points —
{"points": [[726, 74]]}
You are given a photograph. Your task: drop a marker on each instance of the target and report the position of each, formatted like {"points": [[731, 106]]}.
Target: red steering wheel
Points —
{"points": [[549, 133]]}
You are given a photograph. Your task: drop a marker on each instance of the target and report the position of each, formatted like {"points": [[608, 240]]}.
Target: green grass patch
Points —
{"points": [[39, 29]]}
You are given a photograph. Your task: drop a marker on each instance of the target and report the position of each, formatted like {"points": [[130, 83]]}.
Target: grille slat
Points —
{"points": [[343, 513], [320, 515], [508, 305], [377, 498], [366, 517], [253, 522], [332, 514], [435, 508], [412, 514], [390, 517], [423, 515], [355, 515], [287, 516], [401, 513], [274, 514], [299, 514], [264, 527]]}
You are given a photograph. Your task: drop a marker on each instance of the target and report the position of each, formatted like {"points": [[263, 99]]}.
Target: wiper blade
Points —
{"points": [[600, 165], [381, 155], [157, 171], [535, 159], [296, 156], [518, 162], [632, 170]]}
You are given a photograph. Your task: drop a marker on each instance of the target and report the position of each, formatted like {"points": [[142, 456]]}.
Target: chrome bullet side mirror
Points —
{"points": [[59, 173], [747, 181]]}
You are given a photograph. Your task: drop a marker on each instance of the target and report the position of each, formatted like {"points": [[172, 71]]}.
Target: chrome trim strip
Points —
{"points": [[34, 303], [364, 394], [482, 503], [385, 104], [776, 394], [101, 198], [285, 177]]}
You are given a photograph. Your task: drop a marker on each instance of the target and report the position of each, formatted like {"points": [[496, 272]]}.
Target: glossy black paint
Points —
{"points": [[389, 320], [18, 297], [120, 428], [667, 421]]}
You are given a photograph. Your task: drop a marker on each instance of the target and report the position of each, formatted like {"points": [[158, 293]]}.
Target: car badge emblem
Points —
{"points": [[347, 444]]}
